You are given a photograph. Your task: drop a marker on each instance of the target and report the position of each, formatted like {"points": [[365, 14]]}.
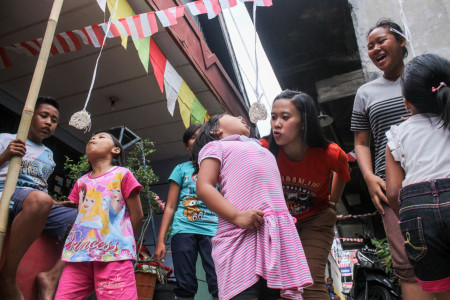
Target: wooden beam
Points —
{"points": [[339, 86]]}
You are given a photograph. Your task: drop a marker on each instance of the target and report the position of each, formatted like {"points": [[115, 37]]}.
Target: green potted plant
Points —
{"points": [[384, 253]]}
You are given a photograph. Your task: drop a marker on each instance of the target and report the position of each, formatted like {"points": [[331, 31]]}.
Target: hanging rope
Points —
{"points": [[257, 110], [82, 119], [408, 35]]}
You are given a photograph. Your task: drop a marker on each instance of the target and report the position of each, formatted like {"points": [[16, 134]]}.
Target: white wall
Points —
{"points": [[428, 21]]}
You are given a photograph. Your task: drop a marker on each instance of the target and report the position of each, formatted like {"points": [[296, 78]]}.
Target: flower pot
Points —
{"points": [[165, 291], [145, 284]]}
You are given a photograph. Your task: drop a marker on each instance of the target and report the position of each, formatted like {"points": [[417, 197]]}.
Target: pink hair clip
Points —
{"points": [[436, 89]]}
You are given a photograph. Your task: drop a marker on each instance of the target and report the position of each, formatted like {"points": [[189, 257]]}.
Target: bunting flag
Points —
{"points": [[83, 35], [158, 61], [140, 27], [168, 16], [211, 7], [66, 42], [94, 35], [137, 26], [260, 2], [30, 48], [125, 23], [191, 109], [228, 3], [123, 10], [102, 4], [185, 101], [197, 7], [172, 83], [5, 62], [198, 112]]}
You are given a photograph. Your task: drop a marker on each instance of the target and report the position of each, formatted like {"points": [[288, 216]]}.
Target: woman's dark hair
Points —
{"points": [[312, 134], [420, 76], [206, 134], [388, 24], [190, 131]]}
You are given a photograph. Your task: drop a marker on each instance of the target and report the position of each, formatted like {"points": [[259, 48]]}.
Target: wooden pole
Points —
{"points": [[27, 115]]}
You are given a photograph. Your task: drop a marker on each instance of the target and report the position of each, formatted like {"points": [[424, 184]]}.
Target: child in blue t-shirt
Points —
{"points": [[31, 209], [194, 225]]}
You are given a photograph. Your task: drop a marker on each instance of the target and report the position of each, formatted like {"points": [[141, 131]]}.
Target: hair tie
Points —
{"points": [[436, 89]]}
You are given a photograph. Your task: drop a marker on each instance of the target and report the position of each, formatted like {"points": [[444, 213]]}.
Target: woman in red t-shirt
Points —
{"points": [[308, 163]]}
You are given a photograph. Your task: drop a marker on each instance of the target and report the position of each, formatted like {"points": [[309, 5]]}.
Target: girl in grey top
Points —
{"points": [[378, 105]]}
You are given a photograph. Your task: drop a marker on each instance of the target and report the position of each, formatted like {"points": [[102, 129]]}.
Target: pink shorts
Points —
{"points": [[110, 280]]}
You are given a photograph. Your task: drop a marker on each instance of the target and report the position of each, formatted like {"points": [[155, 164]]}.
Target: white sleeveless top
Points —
{"points": [[422, 147]]}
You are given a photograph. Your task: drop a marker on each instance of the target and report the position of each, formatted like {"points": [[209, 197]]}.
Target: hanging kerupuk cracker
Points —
{"points": [[82, 119], [258, 111]]}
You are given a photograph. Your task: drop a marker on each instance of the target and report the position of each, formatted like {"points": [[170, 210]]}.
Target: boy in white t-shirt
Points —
{"points": [[31, 209]]}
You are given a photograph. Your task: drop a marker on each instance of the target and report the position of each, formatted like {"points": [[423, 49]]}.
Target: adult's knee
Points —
{"points": [[38, 201]]}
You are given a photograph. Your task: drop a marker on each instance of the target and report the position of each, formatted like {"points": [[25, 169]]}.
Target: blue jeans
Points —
{"points": [[425, 226], [185, 249]]}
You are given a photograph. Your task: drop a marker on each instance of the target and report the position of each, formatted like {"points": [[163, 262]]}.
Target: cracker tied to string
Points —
{"points": [[257, 112], [81, 120]]}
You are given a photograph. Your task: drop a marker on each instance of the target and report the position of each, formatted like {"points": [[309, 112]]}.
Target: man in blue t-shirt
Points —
{"points": [[31, 209]]}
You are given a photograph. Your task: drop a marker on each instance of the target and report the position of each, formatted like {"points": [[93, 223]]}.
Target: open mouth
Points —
{"points": [[381, 58], [45, 130], [276, 134]]}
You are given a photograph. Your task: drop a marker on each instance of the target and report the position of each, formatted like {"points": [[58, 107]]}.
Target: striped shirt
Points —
{"points": [[378, 105], [249, 179]]}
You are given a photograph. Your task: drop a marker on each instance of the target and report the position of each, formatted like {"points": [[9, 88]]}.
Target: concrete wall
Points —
{"points": [[428, 21]]}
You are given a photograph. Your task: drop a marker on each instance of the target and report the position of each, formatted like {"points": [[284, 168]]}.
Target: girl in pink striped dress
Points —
{"points": [[256, 251]]}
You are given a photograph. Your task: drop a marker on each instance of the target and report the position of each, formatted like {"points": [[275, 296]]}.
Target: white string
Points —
{"points": [[99, 55], [249, 58], [258, 96], [408, 34]]}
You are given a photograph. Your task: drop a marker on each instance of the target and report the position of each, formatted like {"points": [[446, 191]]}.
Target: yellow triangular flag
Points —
{"points": [[185, 100], [207, 117], [124, 10]]}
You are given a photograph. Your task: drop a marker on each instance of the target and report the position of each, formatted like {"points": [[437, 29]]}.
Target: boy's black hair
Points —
{"points": [[388, 24], [46, 100], [206, 134], [422, 74], [190, 131], [312, 135]]}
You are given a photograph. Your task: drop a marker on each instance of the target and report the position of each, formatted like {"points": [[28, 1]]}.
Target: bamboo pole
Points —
{"points": [[27, 115]]}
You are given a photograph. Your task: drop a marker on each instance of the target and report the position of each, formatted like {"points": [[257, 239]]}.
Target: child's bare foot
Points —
{"points": [[47, 283], [9, 290]]}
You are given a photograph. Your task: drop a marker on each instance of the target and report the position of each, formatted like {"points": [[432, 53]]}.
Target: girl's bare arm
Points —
{"points": [[213, 199]]}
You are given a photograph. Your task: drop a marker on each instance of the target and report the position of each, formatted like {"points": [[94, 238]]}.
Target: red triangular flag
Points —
{"points": [[158, 60]]}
